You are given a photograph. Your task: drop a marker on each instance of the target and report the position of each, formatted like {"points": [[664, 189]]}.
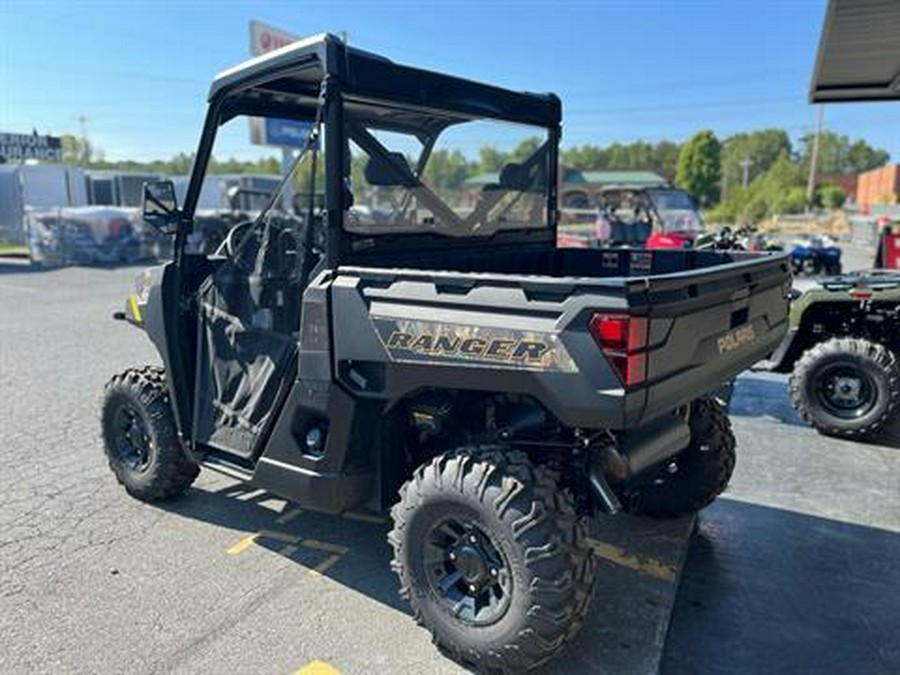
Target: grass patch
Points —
{"points": [[13, 249]]}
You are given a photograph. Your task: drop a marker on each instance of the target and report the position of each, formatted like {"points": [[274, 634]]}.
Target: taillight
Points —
{"points": [[622, 338]]}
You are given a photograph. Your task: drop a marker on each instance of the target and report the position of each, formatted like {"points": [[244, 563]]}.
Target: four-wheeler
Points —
{"points": [[741, 238], [819, 254], [444, 359], [841, 350]]}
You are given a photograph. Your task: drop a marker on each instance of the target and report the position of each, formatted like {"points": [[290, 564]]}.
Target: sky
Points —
{"points": [[138, 72]]}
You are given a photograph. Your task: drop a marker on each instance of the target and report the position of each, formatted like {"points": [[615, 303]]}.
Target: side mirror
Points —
{"points": [[160, 206]]}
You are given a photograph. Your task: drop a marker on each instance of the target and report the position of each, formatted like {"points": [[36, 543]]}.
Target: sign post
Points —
{"points": [[287, 134]]}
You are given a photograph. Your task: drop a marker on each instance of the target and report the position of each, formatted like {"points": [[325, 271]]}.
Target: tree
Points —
{"points": [[447, 170], [490, 160], [699, 169], [76, 150], [761, 148], [778, 190], [862, 157], [583, 157], [837, 154], [639, 155], [831, 196], [525, 149]]}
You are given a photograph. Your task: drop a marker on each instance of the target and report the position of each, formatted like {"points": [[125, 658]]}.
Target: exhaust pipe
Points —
{"points": [[604, 494], [639, 450]]}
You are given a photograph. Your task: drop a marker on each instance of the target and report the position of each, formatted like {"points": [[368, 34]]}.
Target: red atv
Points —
{"points": [[649, 217]]}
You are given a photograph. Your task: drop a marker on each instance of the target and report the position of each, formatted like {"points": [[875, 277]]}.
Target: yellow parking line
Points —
{"points": [[289, 516], [324, 566], [318, 668], [618, 556], [252, 494], [242, 545], [324, 546], [364, 517], [285, 537]]}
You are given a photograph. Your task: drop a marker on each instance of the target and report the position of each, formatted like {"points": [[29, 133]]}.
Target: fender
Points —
{"points": [[171, 337]]}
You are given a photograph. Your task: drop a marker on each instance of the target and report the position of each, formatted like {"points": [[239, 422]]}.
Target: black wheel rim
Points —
{"points": [[467, 572], [846, 391], [132, 439]]}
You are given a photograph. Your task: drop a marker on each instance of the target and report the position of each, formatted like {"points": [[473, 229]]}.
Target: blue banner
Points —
{"points": [[287, 133]]}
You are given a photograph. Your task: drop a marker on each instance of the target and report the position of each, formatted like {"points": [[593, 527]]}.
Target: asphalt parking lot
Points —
{"points": [[793, 571]]}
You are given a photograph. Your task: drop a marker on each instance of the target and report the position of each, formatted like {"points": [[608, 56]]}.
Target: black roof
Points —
{"points": [[292, 75], [859, 52]]}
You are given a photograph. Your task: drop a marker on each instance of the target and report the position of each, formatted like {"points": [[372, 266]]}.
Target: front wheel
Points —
{"points": [[140, 436], [846, 387], [492, 558], [700, 472]]}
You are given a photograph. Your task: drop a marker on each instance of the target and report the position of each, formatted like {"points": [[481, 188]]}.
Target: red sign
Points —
{"points": [[265, 38]]}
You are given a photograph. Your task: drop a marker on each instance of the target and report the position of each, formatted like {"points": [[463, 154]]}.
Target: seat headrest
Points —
{"points": [[392, 171]]}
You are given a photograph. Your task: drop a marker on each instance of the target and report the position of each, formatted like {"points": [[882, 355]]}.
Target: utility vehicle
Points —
{"points": [[841, 350], [407, 346], [843, 340], [655, 217]]}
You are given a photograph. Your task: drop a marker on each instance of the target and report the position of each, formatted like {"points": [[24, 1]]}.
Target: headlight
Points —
{"points": [[137, 299]]}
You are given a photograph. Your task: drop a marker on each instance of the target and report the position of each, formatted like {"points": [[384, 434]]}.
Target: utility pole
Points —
{"points": [[85, 153], [813, 160], [745, 165]]}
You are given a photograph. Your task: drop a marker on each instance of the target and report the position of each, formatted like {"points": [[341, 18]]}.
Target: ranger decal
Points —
{"points": [[407, 340]]}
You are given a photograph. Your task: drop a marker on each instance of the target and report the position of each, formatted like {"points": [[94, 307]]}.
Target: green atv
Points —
{"points": [[841, 350]]}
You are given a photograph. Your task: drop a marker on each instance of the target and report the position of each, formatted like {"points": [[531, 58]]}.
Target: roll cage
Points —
{"points": [[321, 77]]}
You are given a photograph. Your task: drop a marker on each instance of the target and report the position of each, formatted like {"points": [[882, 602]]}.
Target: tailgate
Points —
{"points": [[706, 326]]}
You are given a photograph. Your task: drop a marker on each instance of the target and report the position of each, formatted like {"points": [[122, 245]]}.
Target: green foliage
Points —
{"points": [[792, 200], [779, 190], [777, 174], [448, 170], [762, 148], [80, 152], [699, 168], [837, 154], [76, 150], [661, 157], [830, 196], [490, 160]]}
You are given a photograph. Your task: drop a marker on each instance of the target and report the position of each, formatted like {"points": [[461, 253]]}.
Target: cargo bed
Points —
{"points": [[709, 315]]}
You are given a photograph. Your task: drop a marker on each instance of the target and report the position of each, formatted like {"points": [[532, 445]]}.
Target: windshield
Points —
{"points": [[676, 211], [447, 177], [287, 236]]}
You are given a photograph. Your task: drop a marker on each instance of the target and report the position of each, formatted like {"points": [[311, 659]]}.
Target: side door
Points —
{"points": [[249, 323]]}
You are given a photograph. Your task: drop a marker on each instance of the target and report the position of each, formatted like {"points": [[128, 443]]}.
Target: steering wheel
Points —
{"points": [[233, 238]]}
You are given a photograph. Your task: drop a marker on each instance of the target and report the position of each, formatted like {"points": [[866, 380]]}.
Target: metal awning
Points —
{"points": [[859, 52]]}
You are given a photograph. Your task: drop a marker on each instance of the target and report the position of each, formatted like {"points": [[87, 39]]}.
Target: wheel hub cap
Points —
{"points": [[132, 440], [471, 564], [467, 572], [845, 391]]}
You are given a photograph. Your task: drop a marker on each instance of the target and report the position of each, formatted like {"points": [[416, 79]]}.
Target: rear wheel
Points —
{"points": [[140, 437], [700, 472], [492, 557], [846, 387]]}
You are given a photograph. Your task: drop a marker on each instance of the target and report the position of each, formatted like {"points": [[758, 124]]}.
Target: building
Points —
{"points": [[879, 186], [581, 189], [577, 189]]}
